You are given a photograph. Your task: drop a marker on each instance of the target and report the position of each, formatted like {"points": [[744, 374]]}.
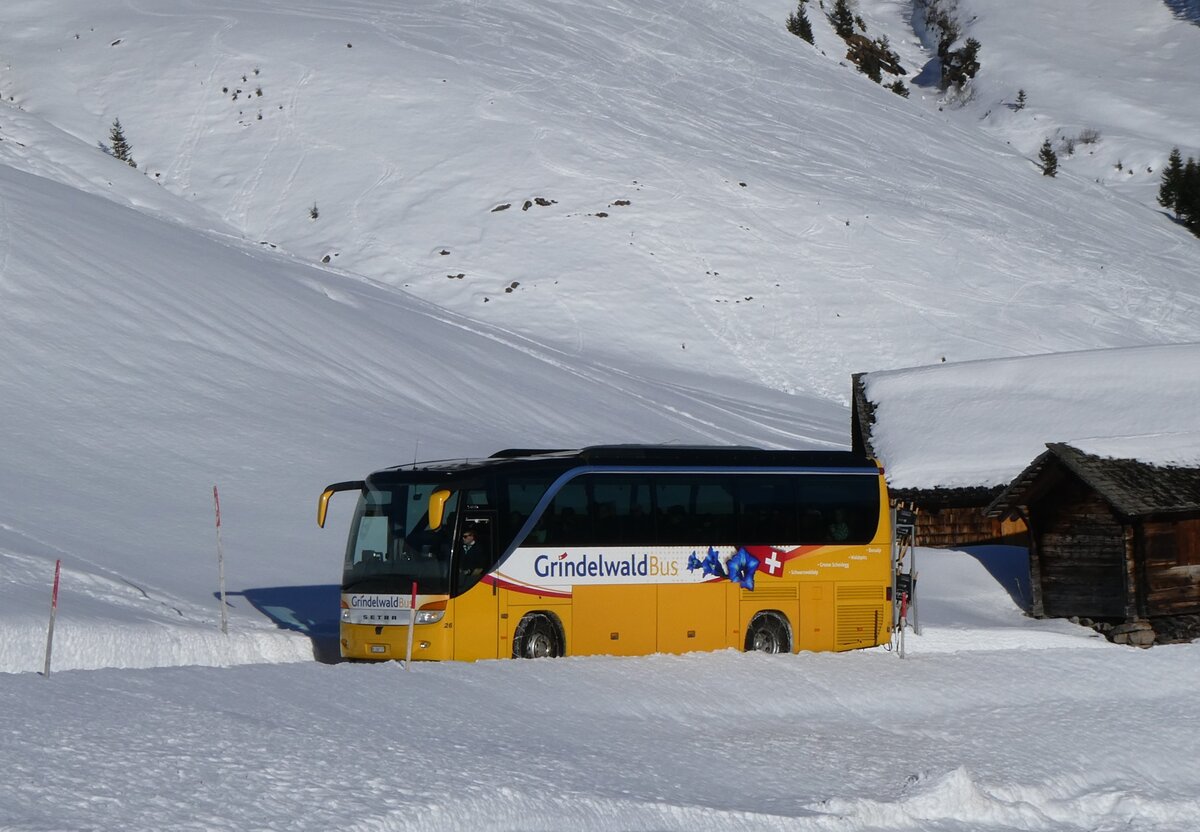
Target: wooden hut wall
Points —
{"points": [[1081, 553], [1170, 567], [966, 526]]}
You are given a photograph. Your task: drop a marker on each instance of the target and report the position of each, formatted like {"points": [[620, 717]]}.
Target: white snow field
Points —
{"points": [[992, 721], [774, 223]]}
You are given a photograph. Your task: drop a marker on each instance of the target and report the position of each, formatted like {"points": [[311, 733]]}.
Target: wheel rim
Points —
{"points": [[540, 646], [766, 642], [767, 637]]}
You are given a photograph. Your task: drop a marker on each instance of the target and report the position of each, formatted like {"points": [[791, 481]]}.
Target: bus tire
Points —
{"points": [[538, 636], [768, 633]]}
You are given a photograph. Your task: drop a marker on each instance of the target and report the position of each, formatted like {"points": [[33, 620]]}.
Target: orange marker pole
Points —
{"points": [[221, 565], [53, 613], [412, 625]]}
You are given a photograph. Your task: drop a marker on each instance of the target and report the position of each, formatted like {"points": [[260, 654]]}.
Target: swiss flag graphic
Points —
{"points": [[772, 560], [769, 560]]}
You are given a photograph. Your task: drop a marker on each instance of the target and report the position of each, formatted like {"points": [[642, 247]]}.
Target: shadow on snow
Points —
{"points": [[1009, 565], [312, 610]]}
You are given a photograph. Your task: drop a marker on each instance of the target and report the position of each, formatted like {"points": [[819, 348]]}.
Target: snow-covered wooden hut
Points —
{"points": [[952, 436], [1114, 530]]}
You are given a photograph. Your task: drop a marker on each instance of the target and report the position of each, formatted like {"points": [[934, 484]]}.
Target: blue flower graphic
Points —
{"points": [[742, 567], [712, 563]]}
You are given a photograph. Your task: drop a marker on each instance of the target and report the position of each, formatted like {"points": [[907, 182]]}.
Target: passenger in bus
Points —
{"points": [[839, 529]]}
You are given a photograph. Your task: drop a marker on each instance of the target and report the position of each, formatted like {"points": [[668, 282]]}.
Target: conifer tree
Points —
{"points": [[842, 20], [1049, 159], [1021, 99], [1172, 178], [798, 24], [118, 146], [1189, 196], [865, 55], [960, 65]]}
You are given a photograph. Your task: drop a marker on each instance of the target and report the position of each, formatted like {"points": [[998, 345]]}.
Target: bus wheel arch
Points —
{"points": [[769, 632], [539, 635]]}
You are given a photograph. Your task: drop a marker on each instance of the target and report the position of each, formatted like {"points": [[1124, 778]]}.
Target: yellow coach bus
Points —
{"points": [[620, 550]]}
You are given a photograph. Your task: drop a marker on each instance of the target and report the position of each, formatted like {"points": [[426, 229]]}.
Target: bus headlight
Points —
{"points": [[429, 616]]}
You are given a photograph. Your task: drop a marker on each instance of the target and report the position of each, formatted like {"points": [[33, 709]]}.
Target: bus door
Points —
{"points": [[476, 605]]}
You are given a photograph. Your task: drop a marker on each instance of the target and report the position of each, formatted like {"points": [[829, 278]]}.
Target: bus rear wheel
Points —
{"points": [[768, 633], [537, 637]]}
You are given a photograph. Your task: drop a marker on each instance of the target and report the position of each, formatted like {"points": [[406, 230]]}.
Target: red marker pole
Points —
{"points": [[412, 625], [221, 564], [53, 613]]}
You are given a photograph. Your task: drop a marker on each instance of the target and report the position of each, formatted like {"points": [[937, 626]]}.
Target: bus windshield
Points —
{"points": [[391, 544]]}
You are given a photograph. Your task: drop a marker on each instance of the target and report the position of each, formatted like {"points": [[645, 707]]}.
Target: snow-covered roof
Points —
{"points": [[978, 424], [1134, 487]]}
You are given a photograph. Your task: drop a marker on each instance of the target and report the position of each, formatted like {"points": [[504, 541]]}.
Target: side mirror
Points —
{"points": [[323, 503], [437, 508], [323, 507]]}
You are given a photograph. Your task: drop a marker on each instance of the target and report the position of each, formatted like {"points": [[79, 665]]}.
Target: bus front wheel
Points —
{"points": [[537, 637], [768, 633]]}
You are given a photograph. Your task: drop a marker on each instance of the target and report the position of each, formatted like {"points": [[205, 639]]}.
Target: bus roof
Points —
{"points": [[738, 456]]}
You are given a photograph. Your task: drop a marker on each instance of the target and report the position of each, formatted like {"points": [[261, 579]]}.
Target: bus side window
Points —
{"points": [[847, 507], [715, 518], [640, 529], [566, 520], [769, 515], [812, 526], [520, 498], [674, 524], [604, 521], [570, 526], [540, 534], [620, 510]]}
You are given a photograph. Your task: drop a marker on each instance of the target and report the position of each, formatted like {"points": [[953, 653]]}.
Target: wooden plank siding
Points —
{"points": [[1111, 538], [1081, 552], [966, 526], [1170, 554]]}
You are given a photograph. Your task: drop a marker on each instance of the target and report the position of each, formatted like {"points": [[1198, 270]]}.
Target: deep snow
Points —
{"points": [[992, 721]]}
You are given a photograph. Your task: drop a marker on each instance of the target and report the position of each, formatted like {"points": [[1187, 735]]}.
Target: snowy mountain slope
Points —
{"points": [[146, 362], [1125, 72], [789, 222]]}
